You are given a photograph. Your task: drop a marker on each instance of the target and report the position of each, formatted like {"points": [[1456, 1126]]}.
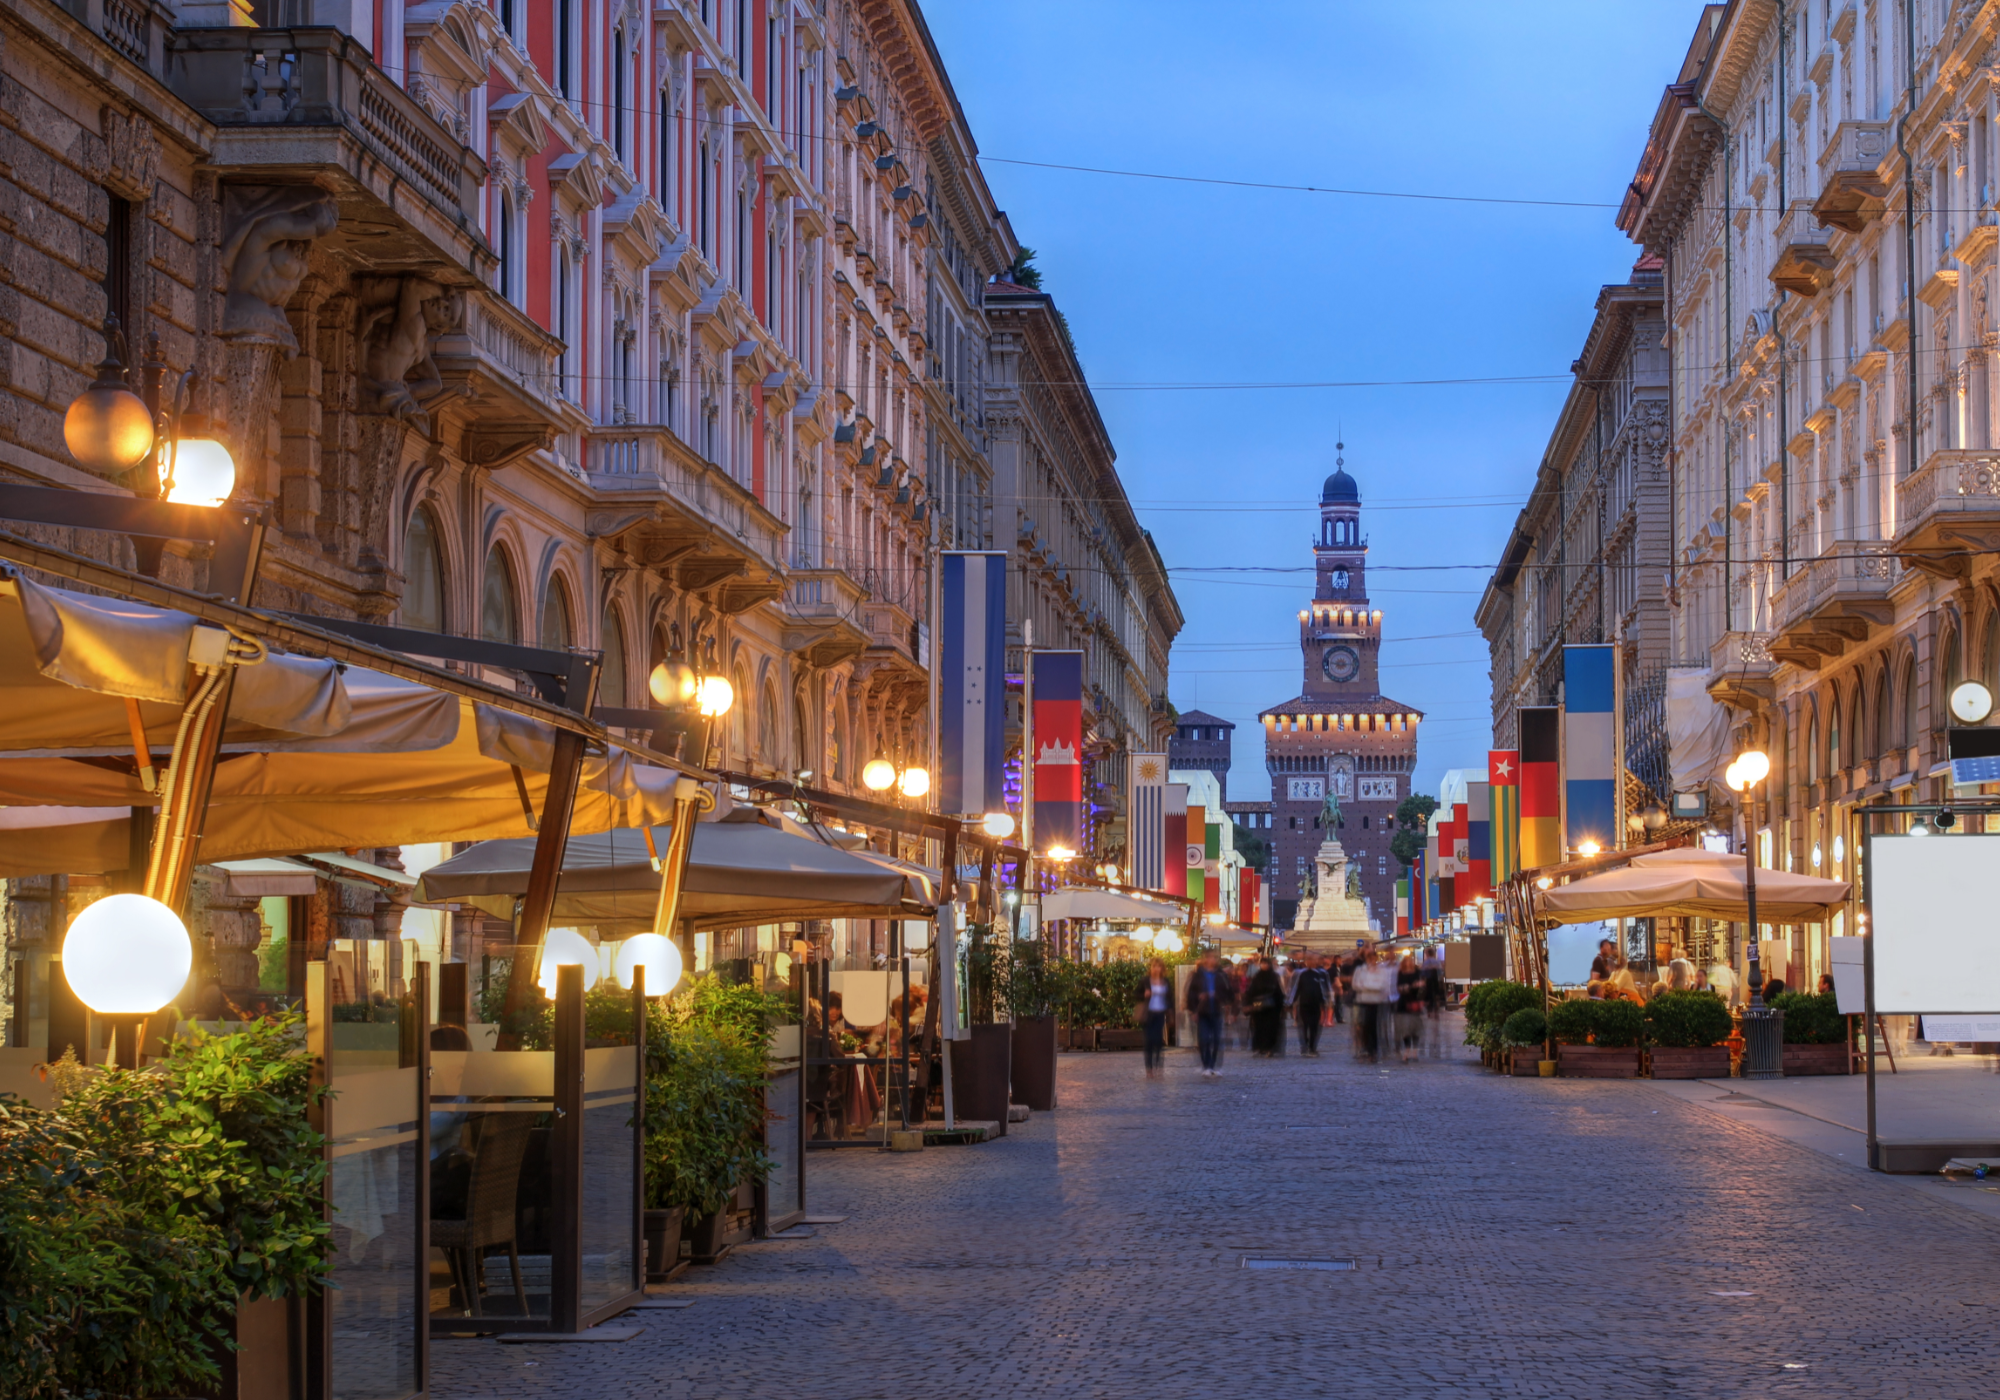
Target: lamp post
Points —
{"points": [[125, 957], [1763, 1028]]}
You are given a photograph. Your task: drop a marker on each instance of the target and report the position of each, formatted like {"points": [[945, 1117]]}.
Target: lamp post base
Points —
{"points": [[1763, 1043]]}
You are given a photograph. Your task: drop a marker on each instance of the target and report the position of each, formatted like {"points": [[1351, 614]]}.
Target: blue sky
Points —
{"points": [[1204, 284]]}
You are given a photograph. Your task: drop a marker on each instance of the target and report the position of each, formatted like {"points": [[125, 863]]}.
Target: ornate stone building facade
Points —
{"points": [[1588, 553], [1341, 742]]}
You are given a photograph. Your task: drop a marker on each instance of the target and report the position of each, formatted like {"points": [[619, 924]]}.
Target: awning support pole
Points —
{"points": [[551, 841]]}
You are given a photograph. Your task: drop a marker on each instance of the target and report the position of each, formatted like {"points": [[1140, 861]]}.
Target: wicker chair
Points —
{"points": [[489, 1209]]}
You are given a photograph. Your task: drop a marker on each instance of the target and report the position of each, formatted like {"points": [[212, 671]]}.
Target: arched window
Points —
{"points": [[836, 748], [1812, 749], [1857, 725], [499, 605], [556, 635], [801, 735], [611, 683], [739, 718], [1906, 726], [768, 747], [1951, 667], [1989, 652], [423, 575], [1833, 764], [1878, 736]]}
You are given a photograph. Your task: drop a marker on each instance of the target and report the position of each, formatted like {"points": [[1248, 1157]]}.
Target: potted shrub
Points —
{"points": [[1525, 1034], [704, 1133], [1036, 988], [1815, 1034], [1487, 1007], [1597, 1039], [1687, 1030], [1122, 980]]}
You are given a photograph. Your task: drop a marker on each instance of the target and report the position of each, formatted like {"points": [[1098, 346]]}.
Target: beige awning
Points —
{"points": [[745, 869], [1692, 884], [1072, 902]]}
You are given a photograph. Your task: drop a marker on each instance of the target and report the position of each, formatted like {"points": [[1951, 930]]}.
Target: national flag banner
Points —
{"points": [[1479, 840], [1058, 750], [1211, 869], [1503, 776], [1148, 819], [1419, 894], [972, 686], [1540, 731], [1461, 845], [1195, 854], [1249, 897], [1403, 905], [1173, 838], [1589, 747]]}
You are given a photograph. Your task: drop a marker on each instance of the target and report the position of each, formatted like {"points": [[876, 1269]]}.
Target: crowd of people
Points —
{"points": [[1391, 1003], [1612, 979]]}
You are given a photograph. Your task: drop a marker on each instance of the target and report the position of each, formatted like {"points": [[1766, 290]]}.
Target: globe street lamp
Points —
{"points": [[125, 957], [1763, 1028], [998, 825], [656, 953]]}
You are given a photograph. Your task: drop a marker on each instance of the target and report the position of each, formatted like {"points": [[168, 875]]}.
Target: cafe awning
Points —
{"points": [[1693, 884], [744, 869], [1074, 902]]}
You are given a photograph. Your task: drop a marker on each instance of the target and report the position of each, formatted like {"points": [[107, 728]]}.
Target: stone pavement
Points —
{"points": [[1510, 1237]]}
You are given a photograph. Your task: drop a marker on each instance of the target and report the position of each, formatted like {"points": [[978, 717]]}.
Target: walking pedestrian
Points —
{"points": [[1310, 993], [1434, 996], [1409, 1008], [1265, 1003], [1156, 1000], [1211, 994], [1374, 997]]}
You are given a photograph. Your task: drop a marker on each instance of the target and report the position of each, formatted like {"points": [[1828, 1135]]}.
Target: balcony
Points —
{"points": [[308, 106], [1740, 666], [686, 514], [494, 354], [1805, 262], [827, 605], [1948, 509], [1851, 191], [1835, 601]]}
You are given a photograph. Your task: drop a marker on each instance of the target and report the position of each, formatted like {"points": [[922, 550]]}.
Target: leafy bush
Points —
{"points": [[1811, 1019], [1687, 1020], [1488, 1005], [1528, 1026], [1572, 1021], [1620, 1024], [704, 1120], [135, 1214]]}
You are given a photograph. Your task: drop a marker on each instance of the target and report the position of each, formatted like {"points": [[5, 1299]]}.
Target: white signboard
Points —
{"points": [[1940, 1029], [1378, 789], [1850, 987], [1306, 789], [1937, 935]]}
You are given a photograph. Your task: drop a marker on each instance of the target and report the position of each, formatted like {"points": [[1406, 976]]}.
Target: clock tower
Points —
{"points": [[1341, 743]]}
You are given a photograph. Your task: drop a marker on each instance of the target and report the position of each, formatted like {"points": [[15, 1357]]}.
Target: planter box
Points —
{"points": [[1596, 1062], [1034, 1073], [1121, 1040], [1816, 1059], [980, 1068], [1523, 1062], [1079, 1038], [1687, 1062], [663, 1242]]}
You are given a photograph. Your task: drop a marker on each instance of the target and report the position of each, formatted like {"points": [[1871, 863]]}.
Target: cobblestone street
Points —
{"points": [[1508, 1237]]}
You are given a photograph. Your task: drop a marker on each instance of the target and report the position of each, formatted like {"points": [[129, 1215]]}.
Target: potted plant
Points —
{"points": [[1815, 1034], [1687, 1030], [1524, 1034], [1597, 1039], [1036, 986], [1487, 1008], [704, 1135], [1123, 980]]}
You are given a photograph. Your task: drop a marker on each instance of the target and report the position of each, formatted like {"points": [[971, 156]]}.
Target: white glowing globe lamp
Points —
{"points": [[565, 947], [657, 954], [714, 696], [1141, 936], [998, 825], [1733, 776], [915, 782], [204, 473], [1753, 766], [1170, 943], [127, 955], [878, 775]]}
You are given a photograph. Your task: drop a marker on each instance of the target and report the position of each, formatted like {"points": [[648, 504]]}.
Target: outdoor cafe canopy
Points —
{"points": [[1690, 883], [1073, 902], [316, 755], [746, 868]]}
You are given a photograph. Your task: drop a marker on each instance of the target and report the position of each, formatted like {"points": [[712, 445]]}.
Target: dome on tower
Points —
{"points": [[1340, 488]]}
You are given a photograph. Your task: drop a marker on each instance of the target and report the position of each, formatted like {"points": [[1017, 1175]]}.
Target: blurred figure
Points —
{"points": [[1264, 1002], [1826, 984], [1211, 995], [1434, 999], [1722, 981], [1374, 1005], [1606, 962], [1409, 1008], [1680, 972], [1310, 993], [1156, 1000]]}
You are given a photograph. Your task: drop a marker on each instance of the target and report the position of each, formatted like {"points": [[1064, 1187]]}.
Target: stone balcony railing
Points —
{"points": [[1849, 571], [1954, 485], [499, 353], [1851, 192], [1804, 263], [715, 527], [824, 615]]}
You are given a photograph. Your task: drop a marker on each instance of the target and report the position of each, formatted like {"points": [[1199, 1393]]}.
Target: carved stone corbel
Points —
{"points": [[266, 237], [495, 445]]}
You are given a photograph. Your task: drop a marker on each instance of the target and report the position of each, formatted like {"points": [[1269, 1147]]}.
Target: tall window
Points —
{"points": [[118, 269], [566, 364], [618, 93], [669, 197], [1879, 735], [702, 175], [768, 747], [555, 616], [1906, 729], [566, 48], [423, 575], [739, 717], [1833, 764], [611, 680], [801, 735], [509, 254], [499, 606]]}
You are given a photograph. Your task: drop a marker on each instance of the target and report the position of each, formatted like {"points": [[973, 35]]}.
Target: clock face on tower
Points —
{"points": [[1340, 663]]}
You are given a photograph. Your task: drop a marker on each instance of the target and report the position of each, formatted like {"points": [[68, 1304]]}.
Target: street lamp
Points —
{"points": [[125, 957], [657, 954], [1763, 1028], [998, 825], [879, 774], [108, 428], [914, 782], [565, 947]]}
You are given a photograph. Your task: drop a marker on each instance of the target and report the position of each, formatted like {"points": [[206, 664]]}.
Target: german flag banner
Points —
{"points": [[1540, 730]]}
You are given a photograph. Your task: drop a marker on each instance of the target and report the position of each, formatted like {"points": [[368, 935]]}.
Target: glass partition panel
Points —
{"points": [[492, 1226], [373, 1126], [611, 1261], [785, 1107]]}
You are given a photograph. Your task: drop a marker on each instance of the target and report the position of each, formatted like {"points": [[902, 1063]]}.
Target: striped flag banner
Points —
{"points": [[972, 696], [1173, 838], [1148, 820], [1479, 841], [1540, 730], [1211, 869], [1195, 854], [1503, 776], [1402, 905], [1589, 748], [1059, 750]]}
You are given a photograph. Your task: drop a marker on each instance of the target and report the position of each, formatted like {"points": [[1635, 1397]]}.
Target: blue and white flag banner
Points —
{"points": [[1590, 747], [972, 689], [1147, 821]]}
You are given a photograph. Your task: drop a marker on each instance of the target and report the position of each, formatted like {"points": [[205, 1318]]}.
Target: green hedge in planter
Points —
{"points": [[1614, 1025], [135, 1214], [1811, 1019], [1528, 1026], [1488, 1005], [1688, 1020]]}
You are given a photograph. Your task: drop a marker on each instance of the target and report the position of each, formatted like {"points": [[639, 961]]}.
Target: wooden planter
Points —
{"points": [[1034, 1072], [1596, 1062], [980, 1069], [1816, 1059], [663, 1243], [1522, 1062], [1079, 1038], [1108, 1039], [1688, 1062]]}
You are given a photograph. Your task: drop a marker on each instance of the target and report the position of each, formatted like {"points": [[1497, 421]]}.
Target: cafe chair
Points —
{"points": [[489, 1210]]}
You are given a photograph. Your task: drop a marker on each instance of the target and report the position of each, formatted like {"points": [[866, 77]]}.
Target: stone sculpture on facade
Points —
{"points": [[400, 318], [266, 236]]}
